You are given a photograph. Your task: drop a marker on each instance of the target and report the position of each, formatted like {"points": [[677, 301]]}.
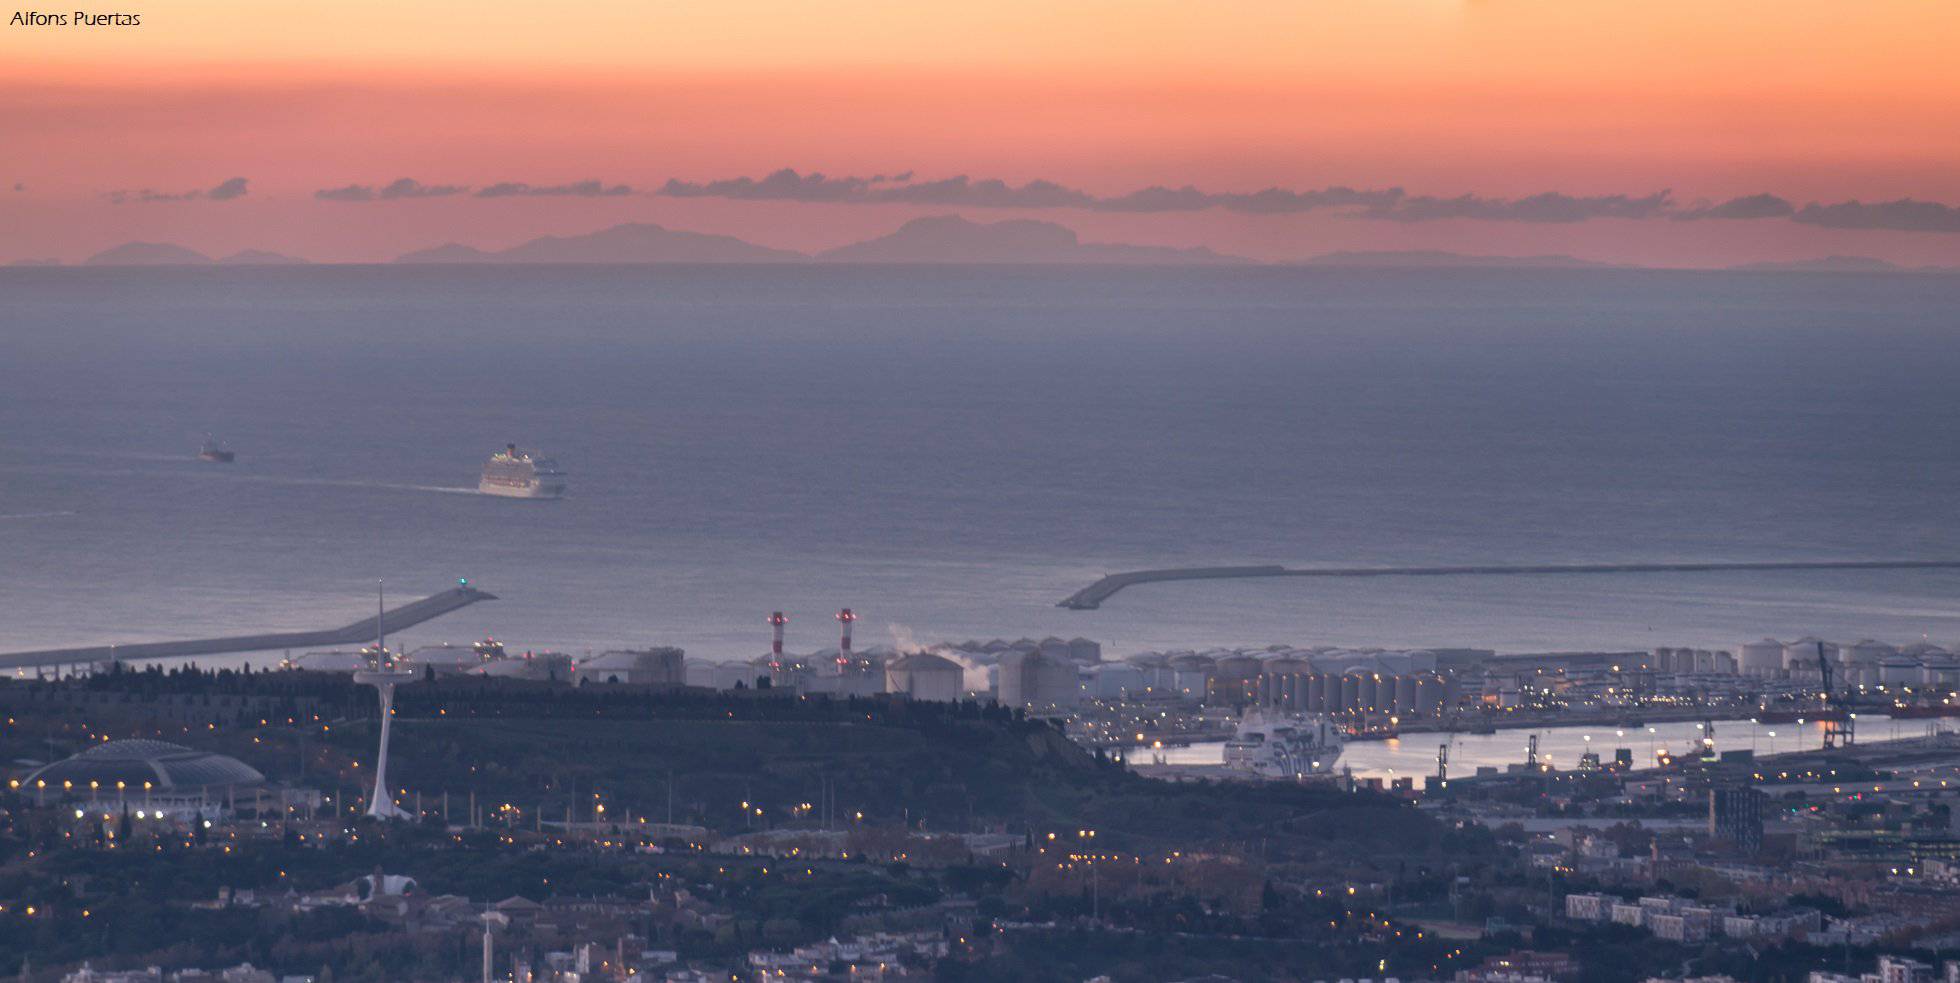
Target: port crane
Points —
{"points": [[1840, 728]]}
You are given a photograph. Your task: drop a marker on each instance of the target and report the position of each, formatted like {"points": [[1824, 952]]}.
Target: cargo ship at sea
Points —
{"points": [[215, 452], [518, 474]]}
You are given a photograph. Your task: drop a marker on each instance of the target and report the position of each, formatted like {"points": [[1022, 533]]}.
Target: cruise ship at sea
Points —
{"points": [[517, 474]]}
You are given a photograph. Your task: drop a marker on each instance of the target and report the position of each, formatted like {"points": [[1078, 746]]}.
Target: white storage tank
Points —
{"points": [[1899, 670], [1367, 690], [1866, 652], [1192, 673], [1235, 681], [1939, 669], [1031, 679], [1760, 658], [554, 667], [1315, 700], [661, 666], [1281, 681], [1013, 685], [1117, 681], [1407, 702], [1060, 682], [1158, 679], [1662, 660], [1801, 654], [924, 676], [1430, 692]]}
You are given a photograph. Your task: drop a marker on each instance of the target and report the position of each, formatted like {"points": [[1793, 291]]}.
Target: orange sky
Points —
{"points": [[1808, 99]]}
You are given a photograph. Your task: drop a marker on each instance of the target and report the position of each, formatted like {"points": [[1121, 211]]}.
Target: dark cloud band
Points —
{"points": [[224, 191], [576, 189], [961, 190], [1388, 204], [400, 189], [1905, 215]]}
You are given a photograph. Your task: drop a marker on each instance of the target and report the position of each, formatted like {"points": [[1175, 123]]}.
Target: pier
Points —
{"points": [[1092, 597], [359, 633]]}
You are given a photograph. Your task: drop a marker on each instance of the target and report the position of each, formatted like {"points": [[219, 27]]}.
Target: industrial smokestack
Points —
{"points": [[776, 647], [845, 617]]}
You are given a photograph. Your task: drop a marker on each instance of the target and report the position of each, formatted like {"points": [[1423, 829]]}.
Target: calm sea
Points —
{"points": [[951, 451]]}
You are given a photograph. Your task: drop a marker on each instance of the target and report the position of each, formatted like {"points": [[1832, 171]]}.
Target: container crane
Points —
{"points": [[1840, 728]]}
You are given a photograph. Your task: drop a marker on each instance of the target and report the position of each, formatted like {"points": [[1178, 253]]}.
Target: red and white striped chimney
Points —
{"points": [[776, 647], [845, 617]]}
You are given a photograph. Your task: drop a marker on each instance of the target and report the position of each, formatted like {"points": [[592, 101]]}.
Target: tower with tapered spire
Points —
{"points": [[384, 678]]}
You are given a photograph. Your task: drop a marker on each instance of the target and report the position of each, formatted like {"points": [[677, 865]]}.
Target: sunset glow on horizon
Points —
{"points": [[1810, 102]]}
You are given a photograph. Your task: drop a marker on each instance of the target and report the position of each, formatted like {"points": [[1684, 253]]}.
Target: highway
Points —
{"points": [[1091, 597], [358, 633]]}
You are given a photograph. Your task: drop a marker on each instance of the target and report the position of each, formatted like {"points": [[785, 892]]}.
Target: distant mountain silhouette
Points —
{"points": [[261, 257], [636, 242], [1827, 264], [148, 254], [1430, 259], [952, 239], [35, 262], [451, 252]]}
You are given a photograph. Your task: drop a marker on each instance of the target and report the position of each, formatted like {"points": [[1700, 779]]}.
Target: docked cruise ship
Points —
{"points": [[516, 474], [1276, 745]]}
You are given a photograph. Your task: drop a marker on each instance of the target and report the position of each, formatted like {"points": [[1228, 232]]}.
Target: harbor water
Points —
{"points": [[951, 451]]}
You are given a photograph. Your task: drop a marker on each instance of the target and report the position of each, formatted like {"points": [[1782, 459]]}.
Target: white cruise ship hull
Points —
{"points": [[535, 490], [1283, 746], [515, 474]]}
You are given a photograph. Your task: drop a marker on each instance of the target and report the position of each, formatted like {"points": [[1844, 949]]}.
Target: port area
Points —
{"points": [[1092, 597], [1220, 773], [360, 632]]}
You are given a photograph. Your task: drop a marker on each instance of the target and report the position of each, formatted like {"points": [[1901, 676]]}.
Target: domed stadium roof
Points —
{"points": [[162, 764]]}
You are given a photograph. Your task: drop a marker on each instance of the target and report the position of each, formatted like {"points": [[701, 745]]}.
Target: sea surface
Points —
{"points": [[950, 451]]}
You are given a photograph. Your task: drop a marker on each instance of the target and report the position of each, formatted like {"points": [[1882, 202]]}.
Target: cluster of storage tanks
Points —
{"points": [[1327, 680], [1074, 649], [1027, 672], [1861, 663], [1356, 692], [1693, 662]]}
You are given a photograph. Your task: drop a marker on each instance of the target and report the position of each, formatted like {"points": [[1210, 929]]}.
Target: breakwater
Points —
{"points": [[1091, 597], [360, 632]]}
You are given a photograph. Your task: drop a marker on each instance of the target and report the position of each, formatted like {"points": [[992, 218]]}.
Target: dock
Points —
{"points": [[359, 633], [1092, 597]]}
